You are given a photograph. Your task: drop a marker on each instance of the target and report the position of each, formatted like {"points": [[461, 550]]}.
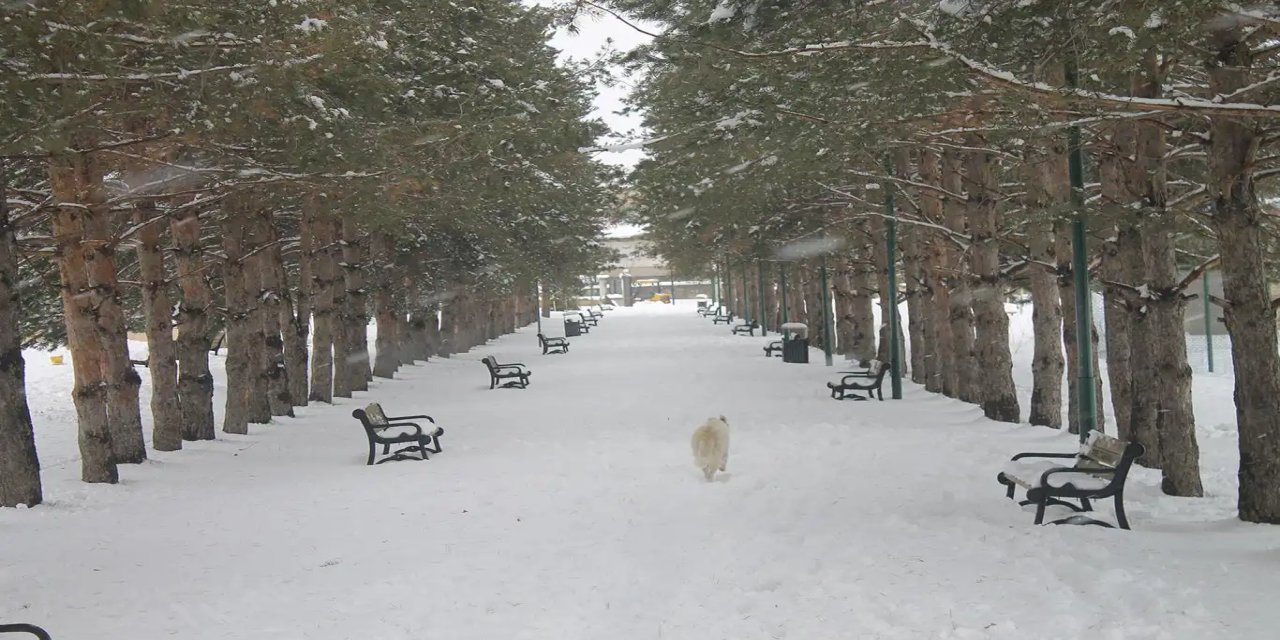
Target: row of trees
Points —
{"points": [[780, 130], [272, 177]]}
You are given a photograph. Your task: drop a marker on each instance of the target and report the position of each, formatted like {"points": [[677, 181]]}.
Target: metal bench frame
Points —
{"points": [[870, 381], [516, 372], [553, 345], [375, 422], [1101, 457]]}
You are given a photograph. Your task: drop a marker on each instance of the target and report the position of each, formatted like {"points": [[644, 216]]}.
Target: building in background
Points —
{"points": [[636, 275]]}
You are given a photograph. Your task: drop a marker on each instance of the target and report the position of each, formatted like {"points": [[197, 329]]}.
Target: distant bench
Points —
{"points": [[775, 345], [747, 328], [1099, 471]]}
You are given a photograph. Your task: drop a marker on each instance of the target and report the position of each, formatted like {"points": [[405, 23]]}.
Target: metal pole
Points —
{"points": [[1208, 321], [673, 289], [746, 296], [895, 361], [826, 316], [764, 312], [1080, 273]]}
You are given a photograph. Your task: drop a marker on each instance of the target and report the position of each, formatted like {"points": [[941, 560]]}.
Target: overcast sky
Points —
{"points": [[594, 33]]}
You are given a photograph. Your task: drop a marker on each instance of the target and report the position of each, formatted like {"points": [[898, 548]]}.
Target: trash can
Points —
{"points": [[572, 326], [795, 342]]}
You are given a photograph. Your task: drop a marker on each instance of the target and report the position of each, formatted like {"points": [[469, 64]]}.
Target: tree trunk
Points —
{"points": [[916, 292], [940, 361], [162, 355], [961, 298], [324, 280], [388, 356], [862, 319], [344, 343], [994, 362], [76, 181], [273, 312], [843, 299], [1250, 317], [195, 382], [124, 412], [19, 466], [295, 313], [255, 294], [241, 346], [354, 255], [1048, 188]]}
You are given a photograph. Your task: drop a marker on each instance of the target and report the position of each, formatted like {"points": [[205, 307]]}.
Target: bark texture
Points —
{"points": [[19, 465], [961, 298], [76, 181], [162, 353], [195, 382], [1250, 317], [324, 279]]}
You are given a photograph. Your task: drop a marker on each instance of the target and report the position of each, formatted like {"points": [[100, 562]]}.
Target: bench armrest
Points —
{"points": [[857, 374], [1044, 477], [852, 379], [390, 425], [1043, 455], [513, 365], [411, 418]]}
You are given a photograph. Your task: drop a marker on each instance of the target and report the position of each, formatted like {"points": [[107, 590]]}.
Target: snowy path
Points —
{"points": [[572, 510]]}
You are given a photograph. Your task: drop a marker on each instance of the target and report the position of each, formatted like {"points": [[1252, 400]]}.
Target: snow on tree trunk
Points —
{"points": [[157, 308], [960, 315], [123, 382], [19, 465], [388, 341], [1250, 316], [273, 313], [324, 279], [241, 347], [994, 361], [195, 382], [940, 361], [76, 182], [355, 254]]}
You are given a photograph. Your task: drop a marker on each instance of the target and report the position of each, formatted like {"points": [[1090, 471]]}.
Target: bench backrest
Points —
{"points": [[490, 362], [1103, 451], [374, 414]]}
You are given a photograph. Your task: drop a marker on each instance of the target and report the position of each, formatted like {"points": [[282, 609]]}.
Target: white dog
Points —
{"points": [[711, 446]]}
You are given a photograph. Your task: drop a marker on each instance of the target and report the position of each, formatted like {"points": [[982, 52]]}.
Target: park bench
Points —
{"points": [[870, 381], [775, 345], [21, 627], [393, 430], [746, 328], [553, 345], [706, 311], [516, 372], [592, 317], [1098, 472], [607, 306], [722, 317]]}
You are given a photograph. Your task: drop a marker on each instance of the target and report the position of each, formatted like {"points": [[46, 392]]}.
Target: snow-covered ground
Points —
{"points": [[572, 509]]}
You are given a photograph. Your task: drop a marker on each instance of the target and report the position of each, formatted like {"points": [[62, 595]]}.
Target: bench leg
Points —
{"points": [[1040, 512], [1084, 502], [373, 450], [1009, 493], [1120, 517]]}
